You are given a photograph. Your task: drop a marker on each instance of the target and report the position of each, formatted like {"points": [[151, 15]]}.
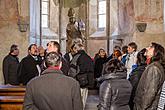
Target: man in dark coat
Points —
{"points": [[86, 65], [10, 66], [29, 66], [52, 90], [85, 74]]}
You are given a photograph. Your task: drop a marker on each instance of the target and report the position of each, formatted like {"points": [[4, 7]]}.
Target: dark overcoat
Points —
{"points": [[86, 65], [27, 69], [52, 91], [10, 66]]}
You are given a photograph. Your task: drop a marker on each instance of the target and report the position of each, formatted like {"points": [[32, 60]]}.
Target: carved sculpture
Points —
{"points": [[74, 30]]}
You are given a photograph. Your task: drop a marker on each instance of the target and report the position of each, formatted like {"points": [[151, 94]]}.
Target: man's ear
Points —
{"points": [[45, 64], [133, 49], [60, 65], [28, 51]]}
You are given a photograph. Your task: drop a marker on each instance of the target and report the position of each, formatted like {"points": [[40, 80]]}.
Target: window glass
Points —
{"points": [[101, 14], [102, 21], [44, 7], [44, 21], [102, 7], [45, 13]]}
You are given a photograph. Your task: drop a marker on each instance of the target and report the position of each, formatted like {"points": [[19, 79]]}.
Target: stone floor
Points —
{"points": [[92, 100]]}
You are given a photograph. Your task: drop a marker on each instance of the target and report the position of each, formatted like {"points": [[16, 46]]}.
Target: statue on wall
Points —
{"points": [[75, 30]]}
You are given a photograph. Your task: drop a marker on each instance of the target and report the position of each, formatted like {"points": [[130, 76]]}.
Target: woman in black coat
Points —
{"points": [[100, 60], [115, 90], [136, 74]]}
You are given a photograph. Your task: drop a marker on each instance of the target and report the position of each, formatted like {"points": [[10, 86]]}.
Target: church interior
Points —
{"points": [[105, 23]]}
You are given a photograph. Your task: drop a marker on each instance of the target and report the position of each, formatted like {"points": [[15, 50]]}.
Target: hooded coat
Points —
{"points": [[115, 91]]}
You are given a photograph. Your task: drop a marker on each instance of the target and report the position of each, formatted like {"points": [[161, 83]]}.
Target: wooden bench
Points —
{"points": [[9, 90], [11, 97], [11, 102]]}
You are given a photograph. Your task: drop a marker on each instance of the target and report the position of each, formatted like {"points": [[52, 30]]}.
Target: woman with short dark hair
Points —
{"points": [[115, 90]]}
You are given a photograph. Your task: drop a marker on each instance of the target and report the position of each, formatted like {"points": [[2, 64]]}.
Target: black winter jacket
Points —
{"points": [[134, 80], [99, 66], [86, 66], [27, 69], [10, 66]]}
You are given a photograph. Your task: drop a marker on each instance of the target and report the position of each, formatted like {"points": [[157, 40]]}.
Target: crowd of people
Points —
{"points": [[127, 79]]}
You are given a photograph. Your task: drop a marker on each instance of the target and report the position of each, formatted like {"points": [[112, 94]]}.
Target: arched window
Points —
{"points": [[101, 14]]}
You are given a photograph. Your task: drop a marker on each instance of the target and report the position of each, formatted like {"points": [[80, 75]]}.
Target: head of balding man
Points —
{"points": [[53, 59]]}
